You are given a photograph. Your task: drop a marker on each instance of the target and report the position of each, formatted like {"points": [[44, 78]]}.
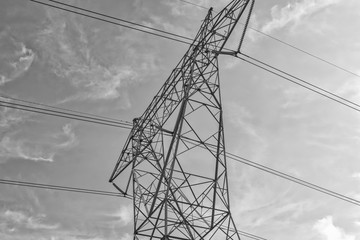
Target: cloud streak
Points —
{"points": [[294, 13], [10, 148], [16, 220], [16, 145]]}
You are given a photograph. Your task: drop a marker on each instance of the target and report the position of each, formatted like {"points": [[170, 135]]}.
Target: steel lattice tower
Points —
{"points": [[174, 158]]}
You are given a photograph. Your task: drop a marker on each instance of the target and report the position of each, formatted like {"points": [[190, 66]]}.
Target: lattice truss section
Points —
{"points": [[173, 163]]}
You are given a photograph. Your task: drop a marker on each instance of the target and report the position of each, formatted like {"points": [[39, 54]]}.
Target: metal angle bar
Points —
{"points": [[156, 222], [246, 25]]}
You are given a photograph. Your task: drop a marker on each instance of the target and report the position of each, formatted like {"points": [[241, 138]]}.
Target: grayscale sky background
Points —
{"points": [[69, 61]]}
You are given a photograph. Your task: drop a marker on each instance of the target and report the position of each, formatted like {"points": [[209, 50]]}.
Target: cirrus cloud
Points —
{"points": [[293, 13], [16, 145], [18, 219], [74, 53]]}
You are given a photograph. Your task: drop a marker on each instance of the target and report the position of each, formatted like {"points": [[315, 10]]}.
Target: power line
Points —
{"points": [[186, 38], [293, 179], [194, 4], [115, 23], [89, 191], [261, 167], [288, 44], [63, 114], [301, 80], [61, 188], [63, 109], [306, 52], [122, 20], [336, 98], [280, 174], [229, 155]]}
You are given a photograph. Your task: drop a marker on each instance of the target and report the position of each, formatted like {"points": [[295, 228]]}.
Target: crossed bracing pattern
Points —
{"points": [[175, 154]]}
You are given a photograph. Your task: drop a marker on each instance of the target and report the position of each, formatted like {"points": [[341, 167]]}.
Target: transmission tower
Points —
{"points": [[173, 163]]}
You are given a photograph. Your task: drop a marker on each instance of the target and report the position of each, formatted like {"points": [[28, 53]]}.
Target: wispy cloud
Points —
{"points": [[292, 211], [18, 220], [329, 231], [16, 59], [93, 66], [100, 82], [67, 137], [294, 13], [10, 148], [259, 201], [10, 117], [17, 145], [18, 224]]}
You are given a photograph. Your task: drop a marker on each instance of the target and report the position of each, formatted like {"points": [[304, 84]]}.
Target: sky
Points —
{"points": [[61, 59]]}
